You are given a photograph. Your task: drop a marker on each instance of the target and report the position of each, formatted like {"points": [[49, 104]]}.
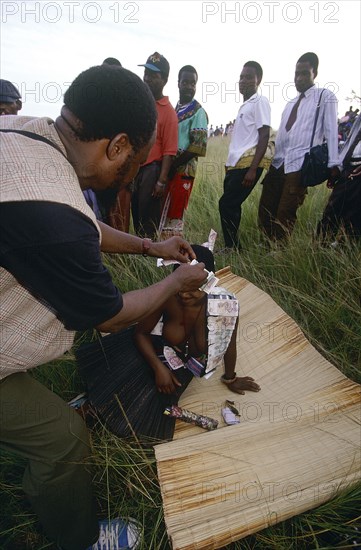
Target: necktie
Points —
{"points": [[293, 115]]}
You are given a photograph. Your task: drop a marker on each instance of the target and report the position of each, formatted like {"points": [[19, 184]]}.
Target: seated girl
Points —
{"points": [[197, 334]]}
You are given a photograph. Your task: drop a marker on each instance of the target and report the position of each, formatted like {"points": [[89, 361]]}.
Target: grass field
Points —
{"points": [[317, 285]]}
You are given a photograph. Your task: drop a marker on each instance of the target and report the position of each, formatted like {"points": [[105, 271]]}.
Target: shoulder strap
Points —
{"points": [[36, 137], [316, 117]]}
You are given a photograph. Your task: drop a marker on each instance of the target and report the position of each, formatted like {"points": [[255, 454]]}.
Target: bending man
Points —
{"points": [[53, 282]]}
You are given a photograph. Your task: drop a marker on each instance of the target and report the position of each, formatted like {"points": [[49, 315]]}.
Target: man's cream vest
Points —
{"points": [[30, 333]]}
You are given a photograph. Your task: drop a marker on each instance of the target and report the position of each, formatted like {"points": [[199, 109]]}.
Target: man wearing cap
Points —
{"points": [[151, 181], [10, 98]]}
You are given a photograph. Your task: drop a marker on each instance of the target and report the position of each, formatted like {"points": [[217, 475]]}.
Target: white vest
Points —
{"points": [[30, 333]]}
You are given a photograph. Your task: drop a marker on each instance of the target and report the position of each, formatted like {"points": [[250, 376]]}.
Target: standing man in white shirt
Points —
{"points": [[246, 156], [282, 192]]}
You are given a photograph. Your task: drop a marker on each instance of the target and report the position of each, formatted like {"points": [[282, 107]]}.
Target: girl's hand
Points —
{"points": [[240, 385], [166, 381]]}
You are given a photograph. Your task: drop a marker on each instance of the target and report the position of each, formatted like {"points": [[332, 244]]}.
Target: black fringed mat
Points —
{"points": [[121, 387]]}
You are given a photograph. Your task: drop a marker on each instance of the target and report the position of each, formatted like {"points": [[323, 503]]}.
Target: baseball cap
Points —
{"points": [[157, 62], [8, 92]]}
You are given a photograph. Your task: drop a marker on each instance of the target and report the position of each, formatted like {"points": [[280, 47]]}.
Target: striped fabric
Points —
{"points": [[292, 146]]}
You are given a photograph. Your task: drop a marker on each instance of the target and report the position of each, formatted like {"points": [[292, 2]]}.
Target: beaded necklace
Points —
{"points": [[188, 331]]}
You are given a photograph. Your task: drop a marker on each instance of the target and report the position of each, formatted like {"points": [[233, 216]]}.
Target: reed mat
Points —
{"points": [[297, 444]]}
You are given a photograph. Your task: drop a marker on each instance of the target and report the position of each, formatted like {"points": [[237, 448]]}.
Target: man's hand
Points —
{"points": [[261, 148], [333, 177], [174, 248], [249, 178], [159, 190], [190, 277], [355, 173]]}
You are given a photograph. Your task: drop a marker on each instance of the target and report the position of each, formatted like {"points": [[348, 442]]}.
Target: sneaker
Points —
{"points": [[79, 401], [118, 534], [83, 407]]}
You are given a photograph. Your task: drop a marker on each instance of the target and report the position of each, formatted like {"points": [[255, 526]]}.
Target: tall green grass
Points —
{"points": [[317, 285]]}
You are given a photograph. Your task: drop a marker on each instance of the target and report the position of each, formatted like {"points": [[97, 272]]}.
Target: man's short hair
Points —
{"points": [[310, 58], [187, 69], [203, 254], [257, 67], [112, 61], [109, 100]]}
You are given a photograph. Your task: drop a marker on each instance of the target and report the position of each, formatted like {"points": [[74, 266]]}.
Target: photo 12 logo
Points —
{"points": [[267, 491], [275, 411], [271, 12], [71, 12], [274, 91]]}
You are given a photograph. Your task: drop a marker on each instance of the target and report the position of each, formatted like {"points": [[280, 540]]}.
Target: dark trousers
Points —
{"points": [[343, 210], [282, 195], [40, 427], [230, 204], [119, 214], [146, 210]]}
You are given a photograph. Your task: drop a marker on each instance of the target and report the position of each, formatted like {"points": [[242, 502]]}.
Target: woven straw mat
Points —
{"points": [[297, 444]]}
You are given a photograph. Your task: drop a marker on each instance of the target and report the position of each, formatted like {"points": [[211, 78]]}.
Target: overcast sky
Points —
{"points": [[44, 45]]}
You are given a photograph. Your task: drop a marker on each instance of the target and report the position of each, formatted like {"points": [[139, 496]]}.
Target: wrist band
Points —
{"points": [[146, 244], [230, 381], [161, 185]]}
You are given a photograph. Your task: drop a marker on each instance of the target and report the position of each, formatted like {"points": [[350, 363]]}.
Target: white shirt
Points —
{"points": [[292, 146], [252, 115]]}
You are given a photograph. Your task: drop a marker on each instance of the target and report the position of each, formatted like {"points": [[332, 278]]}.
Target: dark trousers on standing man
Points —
{"points": [[230, 204], [146, 209], [282, 195], [343, 210]]}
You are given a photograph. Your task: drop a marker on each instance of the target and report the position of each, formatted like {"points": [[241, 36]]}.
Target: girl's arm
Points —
{"points": [[236, 384], [230, 356], [165, 380]]}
